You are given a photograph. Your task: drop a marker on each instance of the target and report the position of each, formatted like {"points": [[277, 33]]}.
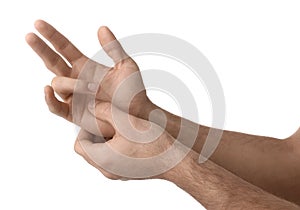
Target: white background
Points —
{"points": [[254, 47]]}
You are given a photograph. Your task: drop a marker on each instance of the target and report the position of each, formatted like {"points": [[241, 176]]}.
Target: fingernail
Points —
{"points": [[92, 87]]}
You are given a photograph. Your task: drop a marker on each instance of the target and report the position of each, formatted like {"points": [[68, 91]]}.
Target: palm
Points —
{"points": [[120, 84]]}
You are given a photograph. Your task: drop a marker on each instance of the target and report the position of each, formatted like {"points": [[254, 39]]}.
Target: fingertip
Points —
{"points": [[47, 89], [39, 24], [103, 30], [51, 101], [30, 38], [54, 81], [105, 35], [64, 85]]}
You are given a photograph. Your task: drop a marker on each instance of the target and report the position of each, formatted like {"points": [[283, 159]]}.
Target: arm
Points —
{"points": [[266, 162], [208, 183], [217, 188]]}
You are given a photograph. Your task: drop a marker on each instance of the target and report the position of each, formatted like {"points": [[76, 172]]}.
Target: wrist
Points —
{"points": [[140, 105], [144, 109]]}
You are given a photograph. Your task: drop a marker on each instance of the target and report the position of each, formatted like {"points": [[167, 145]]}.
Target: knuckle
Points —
{"points": [[53, 63], [52, 110]]}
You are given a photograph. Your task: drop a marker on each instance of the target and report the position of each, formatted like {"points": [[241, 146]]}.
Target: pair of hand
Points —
{"points": [[113, 138]]}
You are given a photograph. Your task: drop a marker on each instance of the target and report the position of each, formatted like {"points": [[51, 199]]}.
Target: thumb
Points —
{"points": [[96, 153], [111, 45], [128, 126], [102, 111]]}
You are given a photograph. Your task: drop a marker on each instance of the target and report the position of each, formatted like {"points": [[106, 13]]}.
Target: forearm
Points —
{"points": [[217, 188], [231, 143], [263, 161]]}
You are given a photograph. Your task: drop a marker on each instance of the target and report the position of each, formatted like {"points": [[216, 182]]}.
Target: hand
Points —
{"points": [[66, 80], [124, 67], [136, 154]]}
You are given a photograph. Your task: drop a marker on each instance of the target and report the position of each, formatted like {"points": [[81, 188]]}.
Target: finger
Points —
{"points": [[60, 43], [92, 152], [111, 45], [51, 59], [102, 111], [55, 106], [82, 117], [125, 125], [90, 123], [84, 134], [106, 112], [65, 87]]}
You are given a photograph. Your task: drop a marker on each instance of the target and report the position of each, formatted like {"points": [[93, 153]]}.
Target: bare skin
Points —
{"points": [[275, 171], [269, 163], [216, 188], [210, 184]]}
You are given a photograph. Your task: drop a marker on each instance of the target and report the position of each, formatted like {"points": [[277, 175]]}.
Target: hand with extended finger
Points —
{"points": [[78, 66]]}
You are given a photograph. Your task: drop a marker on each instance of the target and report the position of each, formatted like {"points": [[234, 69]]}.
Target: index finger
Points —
{"points": [[60, 42]]}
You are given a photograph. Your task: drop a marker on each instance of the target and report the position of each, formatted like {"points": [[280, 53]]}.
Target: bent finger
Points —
{"points": [[55, 106]]}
